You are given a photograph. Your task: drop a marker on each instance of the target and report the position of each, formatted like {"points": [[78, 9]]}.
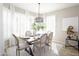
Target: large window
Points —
{"points": [[15, 22], [18, 23], [50, 23]]}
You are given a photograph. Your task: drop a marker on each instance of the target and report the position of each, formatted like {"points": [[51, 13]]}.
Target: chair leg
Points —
{"points": [[6, 52], [40, 51], [33, 49], [17, 52], [44, 50]]}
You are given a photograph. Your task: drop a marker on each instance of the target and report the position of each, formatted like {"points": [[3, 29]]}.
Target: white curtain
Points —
{"points": [[6, 23], [15, 22], [50, 24]]}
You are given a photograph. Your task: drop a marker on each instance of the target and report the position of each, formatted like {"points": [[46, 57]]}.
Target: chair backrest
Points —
{"points": [[50, 37], [41, 41], [43, 38], [17, 40], [7, 43], [28, 33]]}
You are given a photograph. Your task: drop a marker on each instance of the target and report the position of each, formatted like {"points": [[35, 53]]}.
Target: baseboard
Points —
{"points": [[59, 42]]}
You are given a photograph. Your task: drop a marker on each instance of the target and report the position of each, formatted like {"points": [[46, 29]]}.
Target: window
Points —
{"points": [[15, 22], [50, 24]]}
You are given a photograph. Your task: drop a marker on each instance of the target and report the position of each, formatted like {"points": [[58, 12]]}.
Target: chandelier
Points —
{"points": [[39, 19]]}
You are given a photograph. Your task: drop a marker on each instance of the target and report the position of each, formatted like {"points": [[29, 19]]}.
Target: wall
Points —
{"points": [[1, 31], [67, 12]]}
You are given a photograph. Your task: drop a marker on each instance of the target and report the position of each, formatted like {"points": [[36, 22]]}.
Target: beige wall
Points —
{"points": [[67, 12]]}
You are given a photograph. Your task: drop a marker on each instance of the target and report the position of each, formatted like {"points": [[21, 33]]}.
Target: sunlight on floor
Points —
{"points": [[56, 50]]}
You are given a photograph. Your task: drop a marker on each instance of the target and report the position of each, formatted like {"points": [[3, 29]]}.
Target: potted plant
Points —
{"points": [[38, 26]]}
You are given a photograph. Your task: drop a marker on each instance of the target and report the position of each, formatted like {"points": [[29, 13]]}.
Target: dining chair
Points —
{"points": [[40, 43], [20, 45], [6, 46], [28, 33], [49, 39]]}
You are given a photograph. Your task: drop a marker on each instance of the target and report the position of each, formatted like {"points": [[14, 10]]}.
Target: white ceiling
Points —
{"points": [[44, 7]]}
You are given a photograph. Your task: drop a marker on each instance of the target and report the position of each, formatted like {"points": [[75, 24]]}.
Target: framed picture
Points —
{"points": [[70, 21]]}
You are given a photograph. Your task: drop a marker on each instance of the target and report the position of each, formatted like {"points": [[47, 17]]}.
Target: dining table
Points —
{"points": [[31, 38]]}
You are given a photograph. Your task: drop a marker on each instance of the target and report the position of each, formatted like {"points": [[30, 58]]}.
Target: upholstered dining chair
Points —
{"points": [[20, 45], [49, 39], [28, 33], [40, 43], [6, 46]]}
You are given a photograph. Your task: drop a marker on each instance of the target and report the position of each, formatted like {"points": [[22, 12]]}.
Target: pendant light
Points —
{"points": [[39, 19]]}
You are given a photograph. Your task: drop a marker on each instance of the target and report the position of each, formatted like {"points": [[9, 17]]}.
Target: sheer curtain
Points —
{"points": [[50, 23], [7, 26], [15, 22]]}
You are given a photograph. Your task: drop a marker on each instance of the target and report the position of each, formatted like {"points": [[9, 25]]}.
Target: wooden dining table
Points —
{"points": [[30, 38]]}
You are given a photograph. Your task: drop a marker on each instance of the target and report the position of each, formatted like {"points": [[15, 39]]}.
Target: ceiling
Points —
{"points": [[44, 7]]}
